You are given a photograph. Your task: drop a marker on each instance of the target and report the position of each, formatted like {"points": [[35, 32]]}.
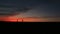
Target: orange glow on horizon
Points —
{"points": [[14, 19]]}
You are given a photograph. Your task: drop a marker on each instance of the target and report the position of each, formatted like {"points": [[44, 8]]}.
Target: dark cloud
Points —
{"points": [[6, 10], [10, 7], [12, 11]]}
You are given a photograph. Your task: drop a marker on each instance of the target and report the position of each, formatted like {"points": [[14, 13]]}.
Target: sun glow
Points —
{"points": [[28, 19]]}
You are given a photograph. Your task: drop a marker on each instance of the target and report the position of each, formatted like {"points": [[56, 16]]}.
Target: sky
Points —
{"points": [[30, 8]]}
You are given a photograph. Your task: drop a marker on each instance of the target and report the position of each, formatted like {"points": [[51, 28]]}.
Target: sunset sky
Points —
{"points": [[30, 8]]}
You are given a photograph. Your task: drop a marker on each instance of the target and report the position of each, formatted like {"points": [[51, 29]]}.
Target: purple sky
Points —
{"points": [[35, 8]]}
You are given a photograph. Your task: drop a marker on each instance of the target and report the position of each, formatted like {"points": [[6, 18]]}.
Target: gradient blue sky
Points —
{"points": [[39, 8]]}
